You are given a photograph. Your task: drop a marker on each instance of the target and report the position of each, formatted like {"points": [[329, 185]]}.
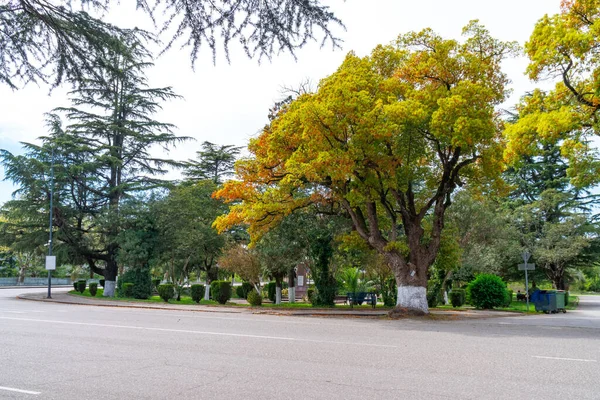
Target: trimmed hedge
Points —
{"points": [[272, 291], [242, 291], [128, 289], [75, 285], [254, 298], [487, 291], [457, 297], [93, 288], [142, 283], [81, 286], [433, 298], [166, 291], [102, 281], [197, 292], [220, 291], [155, 283]]}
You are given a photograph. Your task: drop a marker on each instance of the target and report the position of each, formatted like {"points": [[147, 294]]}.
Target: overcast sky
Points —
{"points": [[228, 103]]}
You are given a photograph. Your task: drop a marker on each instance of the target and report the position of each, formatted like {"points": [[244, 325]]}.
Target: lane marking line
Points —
{"points": [[19, 390], [290, 339], [564, 359]]}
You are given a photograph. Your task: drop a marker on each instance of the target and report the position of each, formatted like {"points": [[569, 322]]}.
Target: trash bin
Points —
{"points": [[560, 301], [546, 301]]}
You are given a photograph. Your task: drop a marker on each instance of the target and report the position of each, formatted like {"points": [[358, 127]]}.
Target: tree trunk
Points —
{"points": [[292, 286], [412, 282], [278, 284], [110, 273]]}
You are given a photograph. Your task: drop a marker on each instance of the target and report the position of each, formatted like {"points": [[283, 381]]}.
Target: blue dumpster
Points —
{"points": [[545, 300]]}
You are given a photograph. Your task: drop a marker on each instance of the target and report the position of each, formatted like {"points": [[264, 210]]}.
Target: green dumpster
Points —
{"points": [[560, 301]]}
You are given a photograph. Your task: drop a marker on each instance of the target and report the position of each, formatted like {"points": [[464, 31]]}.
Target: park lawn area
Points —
{"points": [[516, 306], [153, 299]]}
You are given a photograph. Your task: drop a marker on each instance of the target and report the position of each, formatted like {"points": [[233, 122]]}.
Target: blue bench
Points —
{"points": [[361, 297]]}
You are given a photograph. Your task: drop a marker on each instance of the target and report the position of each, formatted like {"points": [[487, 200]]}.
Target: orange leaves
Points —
{"points": [[378, 123]]}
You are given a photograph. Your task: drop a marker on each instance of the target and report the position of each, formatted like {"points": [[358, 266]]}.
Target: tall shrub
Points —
{"points": [[487, 291], [93, 288], [142, 283], [272, 290], [221, 291], [166, 291], [243, 290], [197, 292]]}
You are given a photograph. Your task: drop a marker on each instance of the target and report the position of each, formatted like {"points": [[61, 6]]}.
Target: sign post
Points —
{"points": [[526, 267]]}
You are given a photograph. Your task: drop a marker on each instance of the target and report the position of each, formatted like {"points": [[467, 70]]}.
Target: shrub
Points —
{"points": [[242, 291], [566, 298], [155, 283], [457, 297], [310, 294], [81, 286], [487, 291], [75, 285], [93, 288], [509, 297], [254, 298], [166, 291], [197, 292], [128, 289], [433, 298], [272, 291], [220, 291], [142, 283], [102, 282]]}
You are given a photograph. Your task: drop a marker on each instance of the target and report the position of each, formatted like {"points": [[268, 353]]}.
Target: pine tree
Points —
{"points": [[102, 155]]}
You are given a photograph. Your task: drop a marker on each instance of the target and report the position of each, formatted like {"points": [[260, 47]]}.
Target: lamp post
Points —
{"points": [[49, 267]]}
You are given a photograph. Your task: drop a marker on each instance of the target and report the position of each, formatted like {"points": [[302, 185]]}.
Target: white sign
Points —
{"points": [[528, 267], [50, 263], [300, 280]]}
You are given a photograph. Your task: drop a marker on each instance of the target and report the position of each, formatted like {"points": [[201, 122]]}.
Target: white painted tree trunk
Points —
{"points": [[413, 297], [207, 292], [278, 295], [446, 302], [292, 294], [109, 288]]}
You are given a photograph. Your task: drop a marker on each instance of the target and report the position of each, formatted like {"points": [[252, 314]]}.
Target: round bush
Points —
{"points": [[197, 292], [457, 297], [254, 298], [221, 291], [128, 289], [487, 291], [93, 288], [81, 286], [142, 283], [166, 291]]}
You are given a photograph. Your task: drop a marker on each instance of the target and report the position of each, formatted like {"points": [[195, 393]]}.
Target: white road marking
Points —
{"points": [[291, 339], [18, 390], [564, 359]]}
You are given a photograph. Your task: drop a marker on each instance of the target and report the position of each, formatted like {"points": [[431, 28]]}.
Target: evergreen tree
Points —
{"points": [[51, 41], [102, 156], [214, 162]]}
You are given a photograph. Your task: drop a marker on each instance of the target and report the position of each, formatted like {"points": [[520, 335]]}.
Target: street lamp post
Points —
{"points": [[51, 226]]}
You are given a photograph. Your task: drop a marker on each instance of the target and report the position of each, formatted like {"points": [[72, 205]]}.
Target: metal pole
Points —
{"points": [[526, 289], [51, 209]]}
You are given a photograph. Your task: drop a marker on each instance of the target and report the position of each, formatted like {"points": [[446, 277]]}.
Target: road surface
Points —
{"points": [[58, 351]]}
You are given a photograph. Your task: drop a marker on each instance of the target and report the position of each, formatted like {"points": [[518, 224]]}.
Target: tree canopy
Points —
{"points": [[54, 41], [388, 137]]}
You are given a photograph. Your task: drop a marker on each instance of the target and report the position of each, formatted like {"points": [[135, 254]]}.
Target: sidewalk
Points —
{"points": [[65, 298]]}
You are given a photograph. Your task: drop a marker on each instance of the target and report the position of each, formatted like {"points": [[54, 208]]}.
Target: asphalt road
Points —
{"points": [[57, 351]]}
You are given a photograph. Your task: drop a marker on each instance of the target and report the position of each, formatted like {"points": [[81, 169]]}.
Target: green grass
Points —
{"points": [[516, 306], [153, 299]]}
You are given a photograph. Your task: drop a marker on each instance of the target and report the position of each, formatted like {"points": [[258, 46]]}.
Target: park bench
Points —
{"points": [[361, 297]]}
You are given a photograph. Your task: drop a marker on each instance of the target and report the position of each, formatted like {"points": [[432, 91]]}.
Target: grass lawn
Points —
{"points": [[515, 306]]}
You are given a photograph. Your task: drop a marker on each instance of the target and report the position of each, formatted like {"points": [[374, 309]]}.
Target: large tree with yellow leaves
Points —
{"points": [[387, 138], [564, 47]]}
